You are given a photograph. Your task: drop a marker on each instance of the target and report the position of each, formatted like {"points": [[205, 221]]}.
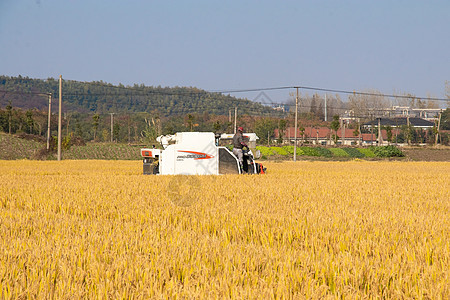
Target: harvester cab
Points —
{"points": [[198, 153]]}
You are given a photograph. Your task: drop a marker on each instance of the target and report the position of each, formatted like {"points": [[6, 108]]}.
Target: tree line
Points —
{"points": [[101, 97], [140, 113], [143, 127]]}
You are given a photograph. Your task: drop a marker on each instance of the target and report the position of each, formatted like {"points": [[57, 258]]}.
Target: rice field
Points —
{"points": [[100, 229]]}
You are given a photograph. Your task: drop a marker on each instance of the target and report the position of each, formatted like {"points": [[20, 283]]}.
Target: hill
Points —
{"points": [[101, 97]]}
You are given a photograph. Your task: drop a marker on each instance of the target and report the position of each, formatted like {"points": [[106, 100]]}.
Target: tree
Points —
{"points": [[264, 129], [105, 135], [95, 122], [78, 129], [363, 105], [9, 114], [40, 119], [116, 131], [445, 119], [335, 125], [313, 108], [320, 112], [447, 91], [190, 121], [150, 131], [301, 129], [282, 124], [217, 126], [389, 133]]}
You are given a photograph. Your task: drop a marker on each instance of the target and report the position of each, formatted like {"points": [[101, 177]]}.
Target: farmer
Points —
{"points": [[238, 144]]}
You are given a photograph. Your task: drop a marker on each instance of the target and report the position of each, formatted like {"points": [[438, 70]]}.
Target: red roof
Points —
{"points": [[316, 132]]}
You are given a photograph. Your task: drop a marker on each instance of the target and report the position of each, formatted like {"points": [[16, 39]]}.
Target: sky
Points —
{"points": [[389, 46]]}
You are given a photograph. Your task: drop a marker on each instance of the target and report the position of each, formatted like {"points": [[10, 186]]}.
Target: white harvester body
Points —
{"points": [[194, 153]]}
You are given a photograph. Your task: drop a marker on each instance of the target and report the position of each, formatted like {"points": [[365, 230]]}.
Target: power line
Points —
{"points": [[199, 92], [194, 108], [25, 93], [331, 91], [373, 94]]}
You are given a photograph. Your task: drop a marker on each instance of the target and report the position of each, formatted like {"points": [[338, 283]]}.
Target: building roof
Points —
{"points": [[395, 122], [317, 132], [325, 133]]}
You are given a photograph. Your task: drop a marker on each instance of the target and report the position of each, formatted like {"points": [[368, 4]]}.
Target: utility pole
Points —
{"points": [[439, 125], [112, 125], [59, 117], [326, 118], [49, 118], [359, 132], [380, 137], [295, 126], [408, 129], [372, 123], [235, 118]]}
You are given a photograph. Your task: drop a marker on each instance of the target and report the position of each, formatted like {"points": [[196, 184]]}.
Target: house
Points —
{"points": [[320, 136], [428, 114], [398, 122]]}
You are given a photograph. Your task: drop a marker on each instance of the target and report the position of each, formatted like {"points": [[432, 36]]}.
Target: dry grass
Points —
{"points": [[100, 229]]}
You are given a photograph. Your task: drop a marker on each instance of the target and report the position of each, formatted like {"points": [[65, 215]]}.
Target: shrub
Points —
{"points": [[280, 151], [265, 151], [310, 151], [338, 152], [353, 152], [387, 151], [366, 152], [324, 152], [290, 150]]}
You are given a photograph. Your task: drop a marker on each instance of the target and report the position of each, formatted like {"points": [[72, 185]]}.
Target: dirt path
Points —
{"points": [[427, 154]]}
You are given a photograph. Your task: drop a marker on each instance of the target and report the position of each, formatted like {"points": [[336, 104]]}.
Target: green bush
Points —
{"points": [[366, 152], [290, 150], [310, 151], [280, 151], [353, 152], [387, 151], [324, 152], [265, 151], [338, 152]]}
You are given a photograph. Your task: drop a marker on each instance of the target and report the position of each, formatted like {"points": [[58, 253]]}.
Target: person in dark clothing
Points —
{"points": [[238, 144]]}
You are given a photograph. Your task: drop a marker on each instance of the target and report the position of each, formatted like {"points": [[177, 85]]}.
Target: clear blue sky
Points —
{"points": [[395, 46]]}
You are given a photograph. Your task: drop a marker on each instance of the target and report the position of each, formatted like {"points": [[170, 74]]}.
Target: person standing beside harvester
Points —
{"points": [[238, 144]]}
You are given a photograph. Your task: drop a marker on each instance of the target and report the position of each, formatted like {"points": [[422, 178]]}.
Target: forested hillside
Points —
{"points": [[101, 97], [139, 113]]}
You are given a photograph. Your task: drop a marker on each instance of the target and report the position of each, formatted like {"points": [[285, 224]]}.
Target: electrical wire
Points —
{"points": [[331, 91]]}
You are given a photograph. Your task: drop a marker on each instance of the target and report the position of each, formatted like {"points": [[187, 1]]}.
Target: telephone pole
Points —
{"points": [[235, 119], [437, 131], [409, 129], [49, 118], [380, 137], [295, 130], [59, 117], [112, 125]]}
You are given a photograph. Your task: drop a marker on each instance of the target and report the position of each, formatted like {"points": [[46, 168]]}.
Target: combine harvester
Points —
{"points": [[198, 153]]}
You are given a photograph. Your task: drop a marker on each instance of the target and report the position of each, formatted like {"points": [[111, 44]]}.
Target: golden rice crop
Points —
{"points": [[100, 229]]}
